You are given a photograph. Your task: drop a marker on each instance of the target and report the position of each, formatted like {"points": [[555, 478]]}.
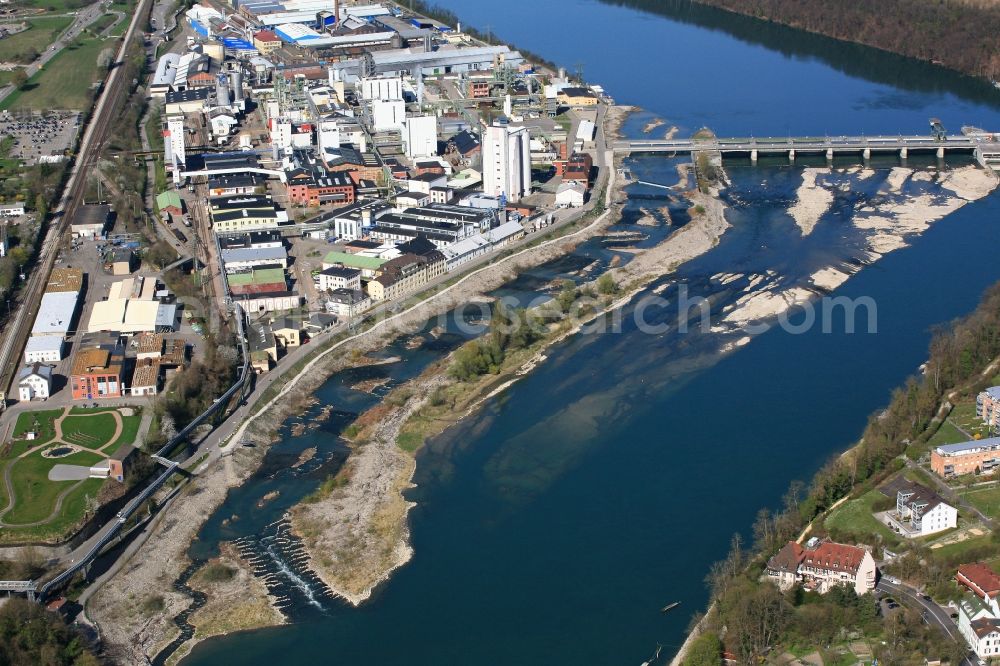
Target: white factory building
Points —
{"points": [[420, 136], [507, 162], [55, 313], [44, 349]]}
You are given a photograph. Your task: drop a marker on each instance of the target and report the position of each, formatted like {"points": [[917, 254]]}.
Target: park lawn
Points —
{"points": [[854, 517], [130, 430], [42, 31], [955, 551], [27, 421], [67, 82], [59, 528], [985, 499], [964, 416], [35, 495], [94, 431]]}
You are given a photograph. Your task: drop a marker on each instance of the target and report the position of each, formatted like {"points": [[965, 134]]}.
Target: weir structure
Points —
{"points": [[984, 146]]}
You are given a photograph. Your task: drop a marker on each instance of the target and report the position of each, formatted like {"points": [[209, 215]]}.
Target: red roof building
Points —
{"points": [[980, 578]]}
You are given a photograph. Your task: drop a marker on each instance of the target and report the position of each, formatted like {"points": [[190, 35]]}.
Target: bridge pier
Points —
{"points": [[791, 155], [829, 154], [903, 153], [940, 152], [753, 156], [866, 154]]}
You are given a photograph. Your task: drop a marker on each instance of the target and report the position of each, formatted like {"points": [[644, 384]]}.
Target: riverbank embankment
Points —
{"points": [[157, 564]]}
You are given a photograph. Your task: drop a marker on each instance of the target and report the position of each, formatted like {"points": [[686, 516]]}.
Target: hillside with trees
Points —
{"points": [[959, 34]]}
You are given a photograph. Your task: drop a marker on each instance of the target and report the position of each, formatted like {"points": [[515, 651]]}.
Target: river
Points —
{"points": [[553, 526]]}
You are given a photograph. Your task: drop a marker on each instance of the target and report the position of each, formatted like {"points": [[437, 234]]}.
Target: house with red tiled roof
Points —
{"points": [[820, 566], [980, 579]]}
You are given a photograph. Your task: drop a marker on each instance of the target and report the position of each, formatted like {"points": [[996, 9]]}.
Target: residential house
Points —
{"points": [[34, 381], [820, 566], [988, 407], [919, 510], [975, 457]]}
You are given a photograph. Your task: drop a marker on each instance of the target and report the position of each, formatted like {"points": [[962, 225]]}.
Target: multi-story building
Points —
{"points": [[97, 373], [507, 162], [988, 407], [919, 510], [266, 41], [404, 274], [242, 213], [309, 188], [338, 277], [348, 302], [820, 566], [976, 457]]}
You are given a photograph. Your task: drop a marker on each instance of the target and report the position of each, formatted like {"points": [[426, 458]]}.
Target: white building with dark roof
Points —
{"points": [[34, 382]]}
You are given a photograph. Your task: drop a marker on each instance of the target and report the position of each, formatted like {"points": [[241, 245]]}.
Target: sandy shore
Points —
{"points": [[812, 201], [136, 607]]}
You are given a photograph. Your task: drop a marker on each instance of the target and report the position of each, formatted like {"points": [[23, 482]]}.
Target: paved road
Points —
{"points": [[935, 614], [84, 17]]}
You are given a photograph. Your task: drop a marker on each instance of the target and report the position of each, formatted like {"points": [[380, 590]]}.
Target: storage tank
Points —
{"points": [[222, 91], [236, 85]]}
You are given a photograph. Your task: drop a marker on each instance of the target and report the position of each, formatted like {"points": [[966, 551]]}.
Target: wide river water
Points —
{"points": [[553, 527]]}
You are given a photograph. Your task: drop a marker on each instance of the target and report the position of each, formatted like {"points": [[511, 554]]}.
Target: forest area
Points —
{"points": [[959, 34]]}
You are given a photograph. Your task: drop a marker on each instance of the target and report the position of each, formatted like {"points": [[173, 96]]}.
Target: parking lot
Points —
{"points": [[38, 136]]}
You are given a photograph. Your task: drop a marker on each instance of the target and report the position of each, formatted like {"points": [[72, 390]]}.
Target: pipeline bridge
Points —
{"points": [[984, 146]]}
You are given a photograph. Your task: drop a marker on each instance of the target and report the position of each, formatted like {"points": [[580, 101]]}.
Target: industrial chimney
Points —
{"points": [[336, 13]]}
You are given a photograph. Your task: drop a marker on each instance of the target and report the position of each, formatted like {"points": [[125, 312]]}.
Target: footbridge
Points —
{"points": [[984, 146]]}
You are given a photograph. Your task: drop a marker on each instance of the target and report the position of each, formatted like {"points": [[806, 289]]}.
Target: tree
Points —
{"points": [[40, 207], [606, 285], [706, 650], [19, 78]]}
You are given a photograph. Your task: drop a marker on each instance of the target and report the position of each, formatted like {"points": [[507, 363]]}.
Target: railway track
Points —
{"points": [[95, 135]]}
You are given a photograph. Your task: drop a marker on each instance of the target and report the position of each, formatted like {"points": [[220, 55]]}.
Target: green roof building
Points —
{"points": [[367, 265], [170, 201]]}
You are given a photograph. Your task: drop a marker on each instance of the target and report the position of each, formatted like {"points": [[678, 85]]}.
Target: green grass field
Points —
{"points": [[964, 416], [94, 431], [58, 6], [956, 552], [42, 421], [41, 33], [67, 82], [36, 495], [986, 500], [855, 518]]}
